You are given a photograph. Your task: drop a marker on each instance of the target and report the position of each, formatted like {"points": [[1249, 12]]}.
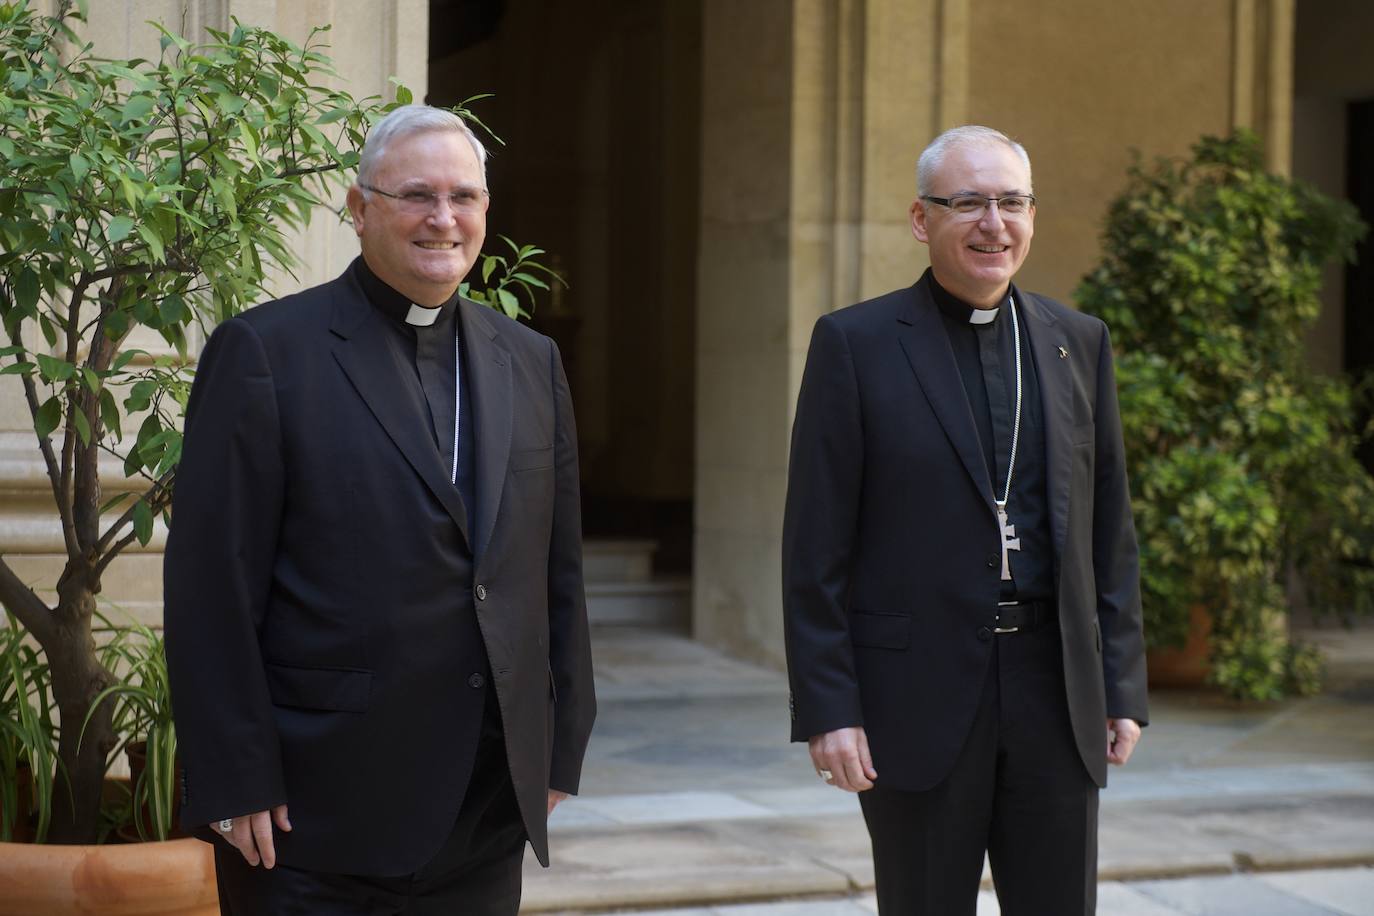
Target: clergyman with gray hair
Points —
{"points": [[376, 630], [960, 572]]}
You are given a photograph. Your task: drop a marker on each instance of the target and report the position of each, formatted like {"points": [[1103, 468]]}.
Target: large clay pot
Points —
{"points": [[175, 878], [1187, 666]]}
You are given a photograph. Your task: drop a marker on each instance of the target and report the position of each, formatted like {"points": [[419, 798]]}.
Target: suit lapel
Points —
{"points": [[1056, 396], [366, 358], [927, 349], [489, 374]]}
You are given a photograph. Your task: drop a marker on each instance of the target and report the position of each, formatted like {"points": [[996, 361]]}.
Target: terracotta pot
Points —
{"points": [[1187, 666], [175, 878]]}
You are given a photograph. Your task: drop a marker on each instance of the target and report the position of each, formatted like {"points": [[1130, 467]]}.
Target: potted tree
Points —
{"points": [[1247, 492], [139, 201]]}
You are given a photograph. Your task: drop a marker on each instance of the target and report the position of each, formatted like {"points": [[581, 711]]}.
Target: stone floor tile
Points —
{"points": [[1229, 895], [673, 807], [1349, 892], [1123, 900]]}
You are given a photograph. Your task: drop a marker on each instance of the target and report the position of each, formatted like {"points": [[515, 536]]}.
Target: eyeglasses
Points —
{"points": [[462, 200], [972, 206]]}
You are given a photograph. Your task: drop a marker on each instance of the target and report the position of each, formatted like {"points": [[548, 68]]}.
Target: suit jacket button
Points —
{"points": [[994, 561], [476, 681], [984, 634], [481, 591]]}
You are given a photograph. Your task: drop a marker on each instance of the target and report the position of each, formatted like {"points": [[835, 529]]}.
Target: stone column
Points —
{"points": [[813, 113], [370, 41]]}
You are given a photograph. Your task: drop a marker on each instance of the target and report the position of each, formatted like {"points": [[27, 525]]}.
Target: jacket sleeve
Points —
{"points": [[217, 574], [570, 656], [820, 524], [1116, 560]]}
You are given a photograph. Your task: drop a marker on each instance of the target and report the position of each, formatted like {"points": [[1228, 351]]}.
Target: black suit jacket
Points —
{"points": [[332, 625], [891, 552]]}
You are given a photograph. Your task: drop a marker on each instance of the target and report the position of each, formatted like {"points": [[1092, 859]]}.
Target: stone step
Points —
{"points": [[618, 559], [663, 602]]}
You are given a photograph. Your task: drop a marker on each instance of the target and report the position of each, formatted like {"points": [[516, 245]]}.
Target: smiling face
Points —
{"points": [[976, 259], [424, 255]]}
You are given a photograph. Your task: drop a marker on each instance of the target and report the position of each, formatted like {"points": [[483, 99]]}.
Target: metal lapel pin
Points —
{"points": [[1063, 353]]}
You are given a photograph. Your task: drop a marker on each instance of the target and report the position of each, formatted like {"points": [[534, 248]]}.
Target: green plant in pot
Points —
{"points": [[140, 203], [27, 739], [142, 720], [1247, 492]]}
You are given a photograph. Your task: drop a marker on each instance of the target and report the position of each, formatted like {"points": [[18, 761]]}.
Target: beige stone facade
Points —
{"points": [[713, 175]]}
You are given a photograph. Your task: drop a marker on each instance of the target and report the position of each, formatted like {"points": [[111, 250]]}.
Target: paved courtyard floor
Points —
{"points": [[693, 798]]}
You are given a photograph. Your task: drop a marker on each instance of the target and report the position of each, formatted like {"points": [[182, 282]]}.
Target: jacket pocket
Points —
{"points": [[1083, 434], [880, 631], [530, 459], [335, 689]]}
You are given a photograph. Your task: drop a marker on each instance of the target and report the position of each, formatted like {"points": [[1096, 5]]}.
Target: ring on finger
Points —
{"points": [[826, 775], [226, 825]]}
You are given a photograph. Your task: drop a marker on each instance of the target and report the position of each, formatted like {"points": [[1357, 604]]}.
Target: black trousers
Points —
{"points": [[477, 872], [1018, 791]]}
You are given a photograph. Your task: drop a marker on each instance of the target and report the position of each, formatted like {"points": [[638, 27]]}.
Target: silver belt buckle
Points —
{"points": [[1003, 630]]}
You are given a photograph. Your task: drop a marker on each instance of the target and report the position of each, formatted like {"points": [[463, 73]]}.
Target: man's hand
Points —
{"points": [[843, 753], [555, 797], [1122, 735], [252, 835]]}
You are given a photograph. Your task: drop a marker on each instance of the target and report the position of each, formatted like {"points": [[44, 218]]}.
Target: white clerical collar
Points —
{"points": [[422, 317], [983, 316]]}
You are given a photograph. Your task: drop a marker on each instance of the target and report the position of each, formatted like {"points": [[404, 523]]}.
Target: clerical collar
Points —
{"points": [[395, 306], [960, 310]]}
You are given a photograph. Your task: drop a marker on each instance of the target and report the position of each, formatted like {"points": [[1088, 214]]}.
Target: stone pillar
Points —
{"points": [[370, 40], [812, 114]]}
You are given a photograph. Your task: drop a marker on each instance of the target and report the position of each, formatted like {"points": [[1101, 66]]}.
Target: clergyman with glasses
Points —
{"points": [[960, 573], [376, 629]]}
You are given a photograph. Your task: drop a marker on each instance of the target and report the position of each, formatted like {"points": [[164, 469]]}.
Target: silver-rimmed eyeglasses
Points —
{"points": [[973, 206], [423, 200]]}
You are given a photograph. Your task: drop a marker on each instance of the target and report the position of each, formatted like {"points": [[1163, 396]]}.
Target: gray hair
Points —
{"points": [[414, 119], [969, 135]]}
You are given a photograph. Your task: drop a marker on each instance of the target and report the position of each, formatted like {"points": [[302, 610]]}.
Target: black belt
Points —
{"points": [[1024, 615]]}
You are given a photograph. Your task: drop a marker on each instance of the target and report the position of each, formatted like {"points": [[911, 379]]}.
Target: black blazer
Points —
{"points": [[891, 554], [324, 598]]}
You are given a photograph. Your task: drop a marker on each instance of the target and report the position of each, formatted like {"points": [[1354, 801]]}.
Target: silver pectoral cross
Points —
{"points": [[1009, 541]]}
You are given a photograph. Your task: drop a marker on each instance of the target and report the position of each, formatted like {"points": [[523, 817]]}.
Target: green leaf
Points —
{"points": [[404, 96], [119, 228], [530, 279], [26, 289], [48, 417], [173, 310], [150, 235], [130, 195], [79, 165], [52, 369], [83, 426], [114, 501], [137, 108], [143, 522], [109, 413], [509, 304]]}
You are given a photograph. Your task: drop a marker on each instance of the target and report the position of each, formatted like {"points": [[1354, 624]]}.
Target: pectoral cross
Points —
{"points": [[1009, 541]]}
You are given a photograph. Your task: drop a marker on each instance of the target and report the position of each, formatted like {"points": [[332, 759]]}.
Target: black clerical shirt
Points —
{"points": [[433, 358], [1032, 567]]}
